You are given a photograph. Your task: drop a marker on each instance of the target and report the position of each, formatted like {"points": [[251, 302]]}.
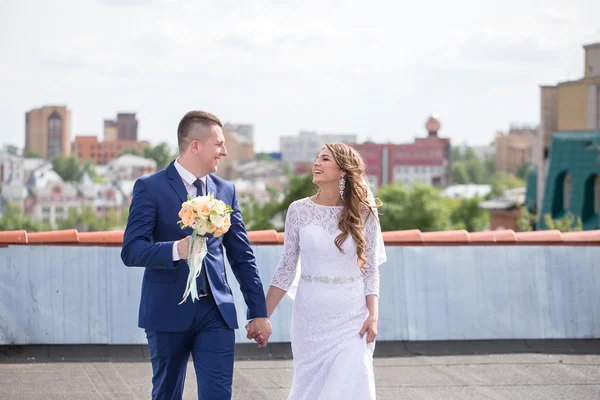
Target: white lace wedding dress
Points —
{"points": [[331, 360]]}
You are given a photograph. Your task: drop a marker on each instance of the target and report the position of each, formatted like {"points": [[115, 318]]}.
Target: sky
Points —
{"points": [[377, 69]]}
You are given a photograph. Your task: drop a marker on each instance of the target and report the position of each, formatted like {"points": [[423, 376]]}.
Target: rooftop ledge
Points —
{"points": [[271, 237]]}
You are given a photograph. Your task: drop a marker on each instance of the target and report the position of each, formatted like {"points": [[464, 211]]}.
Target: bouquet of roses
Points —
{"points": [[206, 216]]}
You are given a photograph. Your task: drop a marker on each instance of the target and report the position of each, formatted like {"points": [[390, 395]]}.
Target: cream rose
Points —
{"points": [[217, 220], [219, 207], [202, 227]]}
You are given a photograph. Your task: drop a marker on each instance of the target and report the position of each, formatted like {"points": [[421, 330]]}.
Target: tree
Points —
{"points": [[14, 219], [468, 168], [503, 182], [423, 207], [299, 187], [420, 207], [263, 157], [90, 168], [259, 216], [85, 220], [460, 175], [522, 170], [476, 171], [466, 214], [456, 154], [567, 223], [161, 153], [129, 150], [527, 220], [33, 154], [70, 169], [470, 155], [394, 198], [490, 166], [426, 209], [67, 167]]}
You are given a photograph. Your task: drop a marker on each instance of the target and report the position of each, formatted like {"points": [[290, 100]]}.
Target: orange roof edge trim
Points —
{"points": [[272, 237]]}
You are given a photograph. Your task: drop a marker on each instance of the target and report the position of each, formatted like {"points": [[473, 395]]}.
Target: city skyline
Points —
{"points": [[278, 67]]}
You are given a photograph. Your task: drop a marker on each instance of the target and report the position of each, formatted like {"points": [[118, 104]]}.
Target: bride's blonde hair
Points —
{"points": [[355, 197]]}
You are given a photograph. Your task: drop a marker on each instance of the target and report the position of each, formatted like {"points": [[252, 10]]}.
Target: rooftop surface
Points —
{"points": [[524, 370]]}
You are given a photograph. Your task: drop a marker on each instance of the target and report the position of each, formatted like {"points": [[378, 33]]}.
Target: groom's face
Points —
{"points": [[209, 151]]}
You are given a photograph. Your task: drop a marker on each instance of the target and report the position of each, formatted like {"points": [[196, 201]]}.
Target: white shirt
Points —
{"points": [[188, 181]]}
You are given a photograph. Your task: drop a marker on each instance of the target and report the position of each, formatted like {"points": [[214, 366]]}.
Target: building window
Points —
{"points": [[54, 135]]}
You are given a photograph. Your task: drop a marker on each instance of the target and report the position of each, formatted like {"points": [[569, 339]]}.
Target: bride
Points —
{"points": [[337, 237]]}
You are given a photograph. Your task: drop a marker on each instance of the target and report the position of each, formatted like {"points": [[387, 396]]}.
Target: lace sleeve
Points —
{"points": [[375, 253], [286, 269]]}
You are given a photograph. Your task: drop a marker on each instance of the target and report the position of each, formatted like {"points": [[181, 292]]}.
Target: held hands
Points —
{"points": [[370, 328], [260, 330]]}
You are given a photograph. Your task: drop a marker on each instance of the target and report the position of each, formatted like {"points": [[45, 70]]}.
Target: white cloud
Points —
{"points": [[377, 70]]}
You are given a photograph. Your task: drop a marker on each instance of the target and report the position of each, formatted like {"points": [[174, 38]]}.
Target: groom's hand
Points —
{"points": [[260, 330], [182, 248]]}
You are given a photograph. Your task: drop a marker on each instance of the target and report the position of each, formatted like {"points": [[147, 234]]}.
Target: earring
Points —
{"points": [[342, 186]]}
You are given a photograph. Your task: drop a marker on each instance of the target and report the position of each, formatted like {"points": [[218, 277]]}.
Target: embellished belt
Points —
{"points": [[330, 279]]}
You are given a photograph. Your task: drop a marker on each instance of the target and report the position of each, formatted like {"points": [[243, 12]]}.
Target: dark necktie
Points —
{"points": [[199, 187], [203, 286]]}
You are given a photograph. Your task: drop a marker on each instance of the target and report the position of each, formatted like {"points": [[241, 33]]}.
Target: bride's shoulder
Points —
{"points": [[301, 203]]}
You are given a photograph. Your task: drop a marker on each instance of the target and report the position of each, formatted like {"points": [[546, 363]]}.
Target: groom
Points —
{"points": [[154, 240]]}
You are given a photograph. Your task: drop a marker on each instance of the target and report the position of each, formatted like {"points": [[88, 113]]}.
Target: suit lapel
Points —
{"points": [[210, 186], [176, 182]]}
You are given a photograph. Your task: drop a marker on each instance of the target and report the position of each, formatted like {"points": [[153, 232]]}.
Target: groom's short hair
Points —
{"points": [[187, 123]]}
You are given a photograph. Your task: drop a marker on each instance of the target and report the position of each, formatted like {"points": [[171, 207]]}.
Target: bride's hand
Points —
{"points": [[369, 327]]}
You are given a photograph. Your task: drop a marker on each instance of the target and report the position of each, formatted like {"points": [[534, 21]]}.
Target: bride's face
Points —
{"points": [[325, 169]]}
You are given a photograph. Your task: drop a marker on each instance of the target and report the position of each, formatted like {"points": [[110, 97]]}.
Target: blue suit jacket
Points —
{"points": [[148, 242]]}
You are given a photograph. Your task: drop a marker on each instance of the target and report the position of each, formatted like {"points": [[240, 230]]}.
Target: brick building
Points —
{"points": [[101, 153], [48, 131], [514, 148], [425, 160], [125, 127]]}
